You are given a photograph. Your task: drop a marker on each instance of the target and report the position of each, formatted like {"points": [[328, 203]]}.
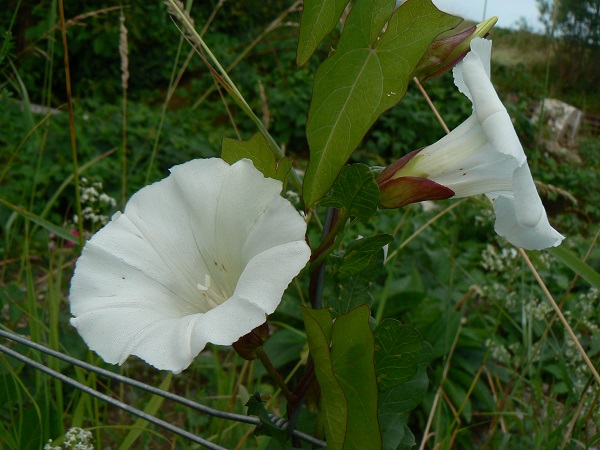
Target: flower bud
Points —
{"points": [[246, 345], [482, 155], [400, 187], [445, 53]]}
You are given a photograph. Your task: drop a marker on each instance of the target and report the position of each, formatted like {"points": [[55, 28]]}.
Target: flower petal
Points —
{"points": [[165, 343], [244, 197], [158, 281], [481, 49], [118, 332], [268, 274], [530, 238], [521, 218], [482, 155], [279, 224]]}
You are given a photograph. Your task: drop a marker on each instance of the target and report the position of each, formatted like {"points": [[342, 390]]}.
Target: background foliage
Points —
{"points": [[507, 375]]}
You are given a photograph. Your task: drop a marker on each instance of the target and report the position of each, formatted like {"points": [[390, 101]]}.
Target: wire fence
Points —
{"points": [[281, 423]]}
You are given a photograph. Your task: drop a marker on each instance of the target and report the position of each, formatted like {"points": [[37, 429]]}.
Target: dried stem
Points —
{"points": [[264, 359], [431, 105], [71, 121], [439, 390], [560, 316]]}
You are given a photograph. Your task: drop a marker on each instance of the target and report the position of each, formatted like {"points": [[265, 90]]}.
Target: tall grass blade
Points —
{"points": [[573, 262], [59, 231], [110, 400], [152, 408]]}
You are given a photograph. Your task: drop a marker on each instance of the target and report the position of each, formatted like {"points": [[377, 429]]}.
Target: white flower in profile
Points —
{"points": [[482, 155], [201, 256]]}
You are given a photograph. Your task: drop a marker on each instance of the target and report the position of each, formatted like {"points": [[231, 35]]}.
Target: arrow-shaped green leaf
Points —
{"points": [[345, 371], [319, 17], [363, 78], [259, 152], [356, 191], [397, 349], [364, 254]]}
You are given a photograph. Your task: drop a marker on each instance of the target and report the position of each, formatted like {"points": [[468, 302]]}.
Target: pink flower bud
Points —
{"points": [[398, 190], [444, 53]]}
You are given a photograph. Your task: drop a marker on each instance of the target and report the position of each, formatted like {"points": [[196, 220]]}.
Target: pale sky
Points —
{"points": [[508, 11]]}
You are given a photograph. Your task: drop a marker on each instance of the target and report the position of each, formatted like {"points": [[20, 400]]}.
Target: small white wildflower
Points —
{"points": [[49, 446], [292, 197], [105, 198], [484, 218], [78, 439]]}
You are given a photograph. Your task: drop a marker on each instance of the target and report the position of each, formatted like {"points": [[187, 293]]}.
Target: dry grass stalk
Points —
{"points": [[123, 52], [177, 10], [266, 113]]}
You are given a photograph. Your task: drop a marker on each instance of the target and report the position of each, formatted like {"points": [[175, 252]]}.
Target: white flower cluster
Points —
{"points": [[536, 308], [575, 362], [498, 351], [75, 439], [495, 261], [499, 293], [95, 202], [485, 218], [586, 308]]}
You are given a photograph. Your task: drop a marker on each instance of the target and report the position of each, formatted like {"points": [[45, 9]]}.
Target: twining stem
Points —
{"points": [[266, 362], [328, 244], [317, 263]]}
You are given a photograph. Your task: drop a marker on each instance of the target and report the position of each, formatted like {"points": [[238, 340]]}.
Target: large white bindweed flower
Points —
{"points": [[201, 256], [482, 155]]}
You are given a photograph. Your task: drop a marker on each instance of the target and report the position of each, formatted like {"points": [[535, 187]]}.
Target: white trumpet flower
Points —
{"points": [[482, 155], [201, 256]]}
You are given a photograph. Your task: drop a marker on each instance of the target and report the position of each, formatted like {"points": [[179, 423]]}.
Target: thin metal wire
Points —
{"points": [[148, 388], [110, 400]]}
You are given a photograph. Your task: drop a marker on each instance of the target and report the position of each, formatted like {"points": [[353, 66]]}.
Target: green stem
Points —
{"points": [[322, 255], [329, 240], [264, 359]]}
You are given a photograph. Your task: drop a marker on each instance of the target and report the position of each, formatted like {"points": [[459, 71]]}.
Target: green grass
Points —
{"points": [[504, 375]]}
